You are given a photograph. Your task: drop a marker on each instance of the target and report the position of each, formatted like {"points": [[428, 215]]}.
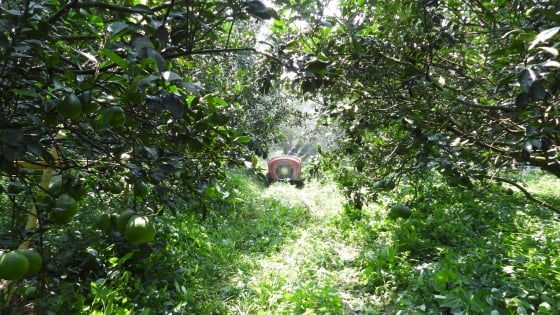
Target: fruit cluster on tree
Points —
{"points": [[148, 102], [19, 264], [137, 101]]}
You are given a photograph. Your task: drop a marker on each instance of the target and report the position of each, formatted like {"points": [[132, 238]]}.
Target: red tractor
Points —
{"points": [[285, 168]]}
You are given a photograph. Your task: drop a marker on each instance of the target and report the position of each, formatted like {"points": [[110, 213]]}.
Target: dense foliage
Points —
{"points": [[124, 86], [137, 105], [464, 87], [119, 120]]}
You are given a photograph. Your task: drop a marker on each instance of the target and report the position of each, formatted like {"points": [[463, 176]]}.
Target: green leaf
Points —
{"points": [[160, 61], [146, 80], [537, 91], [213, 192], [544, 36], [174, 105], [550, 50], [171, 76], [195, 88], [118, 60], [551, 63], [526, 79], [243, 139], [12, 145], [117, 28], [23, 92], [317, 67], [452, 301]]}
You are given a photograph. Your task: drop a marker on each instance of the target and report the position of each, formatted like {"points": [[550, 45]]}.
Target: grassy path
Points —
{"points": [[291, 258], [283, 250]]}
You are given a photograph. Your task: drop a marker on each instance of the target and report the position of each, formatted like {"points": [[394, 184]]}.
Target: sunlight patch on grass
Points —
{"points": [[322, 198], [314, 271]]}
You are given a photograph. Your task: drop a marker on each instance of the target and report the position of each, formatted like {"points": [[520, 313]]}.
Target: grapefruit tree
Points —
{"points": [[123, 97], [462, 88]]}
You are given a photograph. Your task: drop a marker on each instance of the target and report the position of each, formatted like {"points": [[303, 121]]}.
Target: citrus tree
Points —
{"points": [[137, 99], [465, 88]]}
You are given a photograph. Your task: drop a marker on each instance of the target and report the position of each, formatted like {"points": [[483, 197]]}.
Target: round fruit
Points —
{"points": [[34, 259], [88, 105], [44, 201], [70, 106], [103, 222], [118, 118], [141, 188], [399, 211], [65, 201], [123, 218], [115, 187], [13, 266], [139, 230], [65, 209], [384, 184], [509, 191], [55, 186]]}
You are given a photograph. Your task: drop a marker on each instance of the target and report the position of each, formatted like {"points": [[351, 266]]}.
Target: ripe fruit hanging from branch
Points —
{"points": [[399, 211], [65, 209], [13, 265], [139, 230]]}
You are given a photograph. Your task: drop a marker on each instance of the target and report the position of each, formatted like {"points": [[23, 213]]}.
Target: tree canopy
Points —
{"points": [[173, 91], [462, 87], [138, 107], [160, 91]]}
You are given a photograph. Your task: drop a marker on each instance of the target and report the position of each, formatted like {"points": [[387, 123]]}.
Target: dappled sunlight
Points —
{"points": [[312, 270]]}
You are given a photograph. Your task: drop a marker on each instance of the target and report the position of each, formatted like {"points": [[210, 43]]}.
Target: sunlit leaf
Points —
{"points": [[550, 50], [171, 76], [551, 63], [544, 36], [118, 60], [243, 139]]}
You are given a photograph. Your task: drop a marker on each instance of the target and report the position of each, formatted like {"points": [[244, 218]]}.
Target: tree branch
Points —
{"points": [[527, 194]]}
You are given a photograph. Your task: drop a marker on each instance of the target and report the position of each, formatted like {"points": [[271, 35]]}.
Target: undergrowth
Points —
{"points": [[284, 250]]}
